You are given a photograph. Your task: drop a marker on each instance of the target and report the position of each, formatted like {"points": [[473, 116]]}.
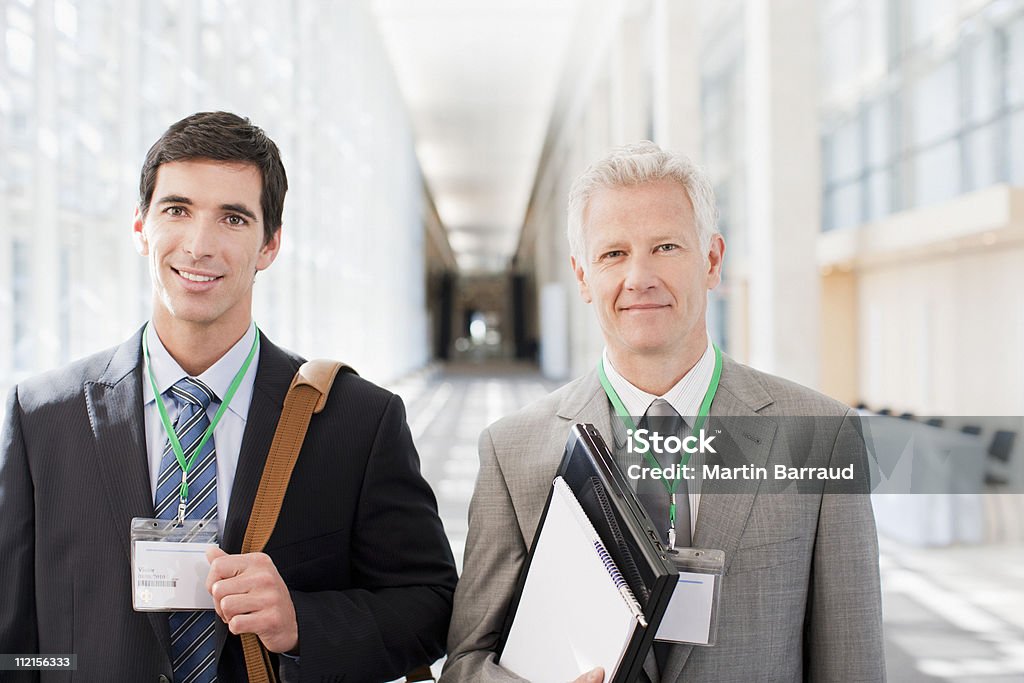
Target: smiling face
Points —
{"points": [[645, 274], [203, 235]]}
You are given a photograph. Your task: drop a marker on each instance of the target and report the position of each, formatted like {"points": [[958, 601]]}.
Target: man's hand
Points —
{"points": [[251, 597], [592, 676]]}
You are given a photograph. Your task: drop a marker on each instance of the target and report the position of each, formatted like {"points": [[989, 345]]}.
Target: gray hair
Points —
{"points": [[638, 163]]}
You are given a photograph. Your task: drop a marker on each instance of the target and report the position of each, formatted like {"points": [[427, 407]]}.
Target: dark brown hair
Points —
{"points": [[220, 136]]}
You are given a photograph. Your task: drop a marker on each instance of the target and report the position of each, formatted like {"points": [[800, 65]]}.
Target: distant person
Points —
{"points": [[800, 599], [356, 583]]}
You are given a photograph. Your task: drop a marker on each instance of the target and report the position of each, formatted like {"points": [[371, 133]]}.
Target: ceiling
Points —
{"points": [[479, 78]]}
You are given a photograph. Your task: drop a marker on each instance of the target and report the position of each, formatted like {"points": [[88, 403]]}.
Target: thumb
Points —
{"points": [[594, 676], [213, 552]]}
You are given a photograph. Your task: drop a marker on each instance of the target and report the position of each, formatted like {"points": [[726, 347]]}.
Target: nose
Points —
{"points": [[201, 239], [640, 273]]}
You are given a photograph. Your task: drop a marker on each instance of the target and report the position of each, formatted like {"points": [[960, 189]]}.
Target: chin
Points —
{"points": [[647, 345], [192, 314]]}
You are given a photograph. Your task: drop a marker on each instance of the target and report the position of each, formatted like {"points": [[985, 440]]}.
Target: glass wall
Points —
{"points": [[922, 102], [723, 142], [86, 87]]}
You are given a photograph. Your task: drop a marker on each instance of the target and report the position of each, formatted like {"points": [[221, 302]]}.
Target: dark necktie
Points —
{"points": [[661, 418]]}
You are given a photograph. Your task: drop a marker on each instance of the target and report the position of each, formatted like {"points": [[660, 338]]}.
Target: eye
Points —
{"points": [[666, 247], [236, 220], [614, 253], [175, 211]]}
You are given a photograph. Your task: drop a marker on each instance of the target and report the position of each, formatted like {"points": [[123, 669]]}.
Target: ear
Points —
{"points": [[139, 234], [716, 254], [269, 251], [581, 279]]}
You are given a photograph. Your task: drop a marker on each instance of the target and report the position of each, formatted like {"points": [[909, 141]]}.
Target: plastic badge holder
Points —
{"points": [[164, 531], [698, 568]]}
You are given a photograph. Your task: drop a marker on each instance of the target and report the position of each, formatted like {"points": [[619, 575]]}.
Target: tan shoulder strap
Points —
{"points": [[307, 395]]}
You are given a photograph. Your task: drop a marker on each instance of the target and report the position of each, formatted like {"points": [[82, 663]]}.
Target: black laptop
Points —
{"points": [[628, 535]]}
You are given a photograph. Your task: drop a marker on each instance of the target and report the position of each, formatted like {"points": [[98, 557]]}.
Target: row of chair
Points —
{"points": [[1000, 449]]}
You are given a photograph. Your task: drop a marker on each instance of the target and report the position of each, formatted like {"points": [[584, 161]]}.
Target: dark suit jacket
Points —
{"points": [[358, 541]]}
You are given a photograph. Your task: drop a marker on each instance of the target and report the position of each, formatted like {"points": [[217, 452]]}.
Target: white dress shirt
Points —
{"points": [[227, 435], [685, 397]]}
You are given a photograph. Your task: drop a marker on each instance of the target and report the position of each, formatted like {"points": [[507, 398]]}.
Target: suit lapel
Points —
{"points": [[539, 462], [273, 377], [114, 403], [587, 403], [725, 505]]}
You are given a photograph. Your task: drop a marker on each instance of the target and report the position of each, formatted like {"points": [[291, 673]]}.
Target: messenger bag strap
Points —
{"points": [[307, 395]]}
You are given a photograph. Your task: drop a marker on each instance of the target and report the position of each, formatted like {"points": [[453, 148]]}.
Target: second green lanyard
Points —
{"points": [[684, 458]]}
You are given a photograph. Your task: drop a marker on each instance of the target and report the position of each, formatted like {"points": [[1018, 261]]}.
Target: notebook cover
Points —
{"points": [[589, 469]]}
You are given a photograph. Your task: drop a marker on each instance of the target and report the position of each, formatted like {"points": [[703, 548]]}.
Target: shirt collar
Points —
{"points": [[218, 376], [685, 396]]}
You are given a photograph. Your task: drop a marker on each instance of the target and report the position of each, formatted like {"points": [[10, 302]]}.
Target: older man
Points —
{"points": [[800, 598]]}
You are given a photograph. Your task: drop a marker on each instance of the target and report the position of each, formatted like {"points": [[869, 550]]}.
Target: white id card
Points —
{"points": [[692, 613], [169, 565]]}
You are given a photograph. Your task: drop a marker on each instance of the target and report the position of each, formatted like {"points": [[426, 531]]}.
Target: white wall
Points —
{"points": [[944, 335]]}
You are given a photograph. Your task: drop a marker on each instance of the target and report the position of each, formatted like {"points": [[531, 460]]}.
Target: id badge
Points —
{"points": [[692, 614], [169, 566]]}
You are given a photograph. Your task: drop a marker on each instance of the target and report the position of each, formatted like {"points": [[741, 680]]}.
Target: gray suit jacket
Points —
{"points": [[800, 599]]}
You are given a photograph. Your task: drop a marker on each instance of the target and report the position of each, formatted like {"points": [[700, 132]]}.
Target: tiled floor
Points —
{"points": [[951, 614]]}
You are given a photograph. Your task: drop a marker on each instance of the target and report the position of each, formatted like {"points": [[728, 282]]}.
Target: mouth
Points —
{"points": [[640, 308], [196, 277]]}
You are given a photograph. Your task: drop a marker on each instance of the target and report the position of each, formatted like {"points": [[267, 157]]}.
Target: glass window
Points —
{"points": [[879, 132], [1017, 148], [936, 105], [846, 206], [982, 170], [880, 190], [929, 16], [982, 85], [19, 19], [842, 49], [1015, 61], [211, 11], [937, 174], [65, 17], [22, 305], [64, 287], [20, 47], [845, 152], [876, 52]]}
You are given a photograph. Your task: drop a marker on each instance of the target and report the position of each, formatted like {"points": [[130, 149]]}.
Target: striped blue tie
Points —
{"points": [[192, 645]]}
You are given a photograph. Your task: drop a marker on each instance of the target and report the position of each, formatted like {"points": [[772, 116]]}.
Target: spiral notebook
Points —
{"points": [[575, 610]]}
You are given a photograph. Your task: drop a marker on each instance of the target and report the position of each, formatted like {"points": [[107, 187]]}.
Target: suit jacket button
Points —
{"points": [[163, 679]]}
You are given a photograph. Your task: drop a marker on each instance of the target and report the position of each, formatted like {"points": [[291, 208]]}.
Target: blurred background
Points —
{"points": [[868, 159]]}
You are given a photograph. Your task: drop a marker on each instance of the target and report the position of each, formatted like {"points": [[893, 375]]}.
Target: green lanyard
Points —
{"points": [[684, 458], [179, 454]]}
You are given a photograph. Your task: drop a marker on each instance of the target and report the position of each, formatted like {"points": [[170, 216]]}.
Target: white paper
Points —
{"points": [[688, 617], [571, 617], [170, 576]]}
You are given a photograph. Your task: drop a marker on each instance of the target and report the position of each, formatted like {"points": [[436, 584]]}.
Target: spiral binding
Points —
{"points": [[609, 564]]}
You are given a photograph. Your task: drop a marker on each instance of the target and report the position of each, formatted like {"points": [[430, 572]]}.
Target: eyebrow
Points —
{"points": [[240, 208], [236, 208]]}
